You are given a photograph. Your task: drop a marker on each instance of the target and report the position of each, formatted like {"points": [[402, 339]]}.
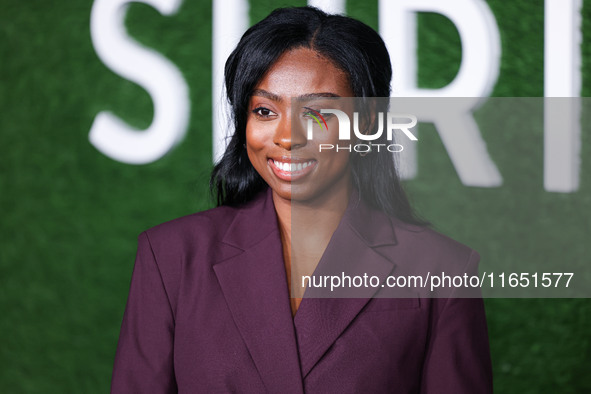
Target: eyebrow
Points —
{"points": [[275, 97]]}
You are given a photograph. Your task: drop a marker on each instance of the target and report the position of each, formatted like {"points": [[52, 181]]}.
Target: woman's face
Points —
{"points": [[278, 147]]}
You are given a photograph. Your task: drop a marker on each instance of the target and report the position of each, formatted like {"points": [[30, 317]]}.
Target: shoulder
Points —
{"points": [[197, 233], [409, 245], [191, 242], [185, 249], [438, 259], [425, 252], [210, 224]]}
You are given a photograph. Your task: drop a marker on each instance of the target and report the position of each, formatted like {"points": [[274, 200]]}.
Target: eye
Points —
{"points": [[263, 113], [309, 114], [316, 113], [310, 111]]}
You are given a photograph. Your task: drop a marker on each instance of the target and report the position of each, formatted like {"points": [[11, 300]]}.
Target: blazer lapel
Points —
{"points": [[356, 248], [254, 285]]}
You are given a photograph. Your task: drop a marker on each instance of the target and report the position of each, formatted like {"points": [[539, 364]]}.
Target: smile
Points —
{"points": [[291, 171], [292, 167]]}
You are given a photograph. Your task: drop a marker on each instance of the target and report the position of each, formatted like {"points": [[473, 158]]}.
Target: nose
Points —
{"points": [[289, 135]]}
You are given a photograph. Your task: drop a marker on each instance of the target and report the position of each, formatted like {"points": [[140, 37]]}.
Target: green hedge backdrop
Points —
{"points": [[70, 216]]}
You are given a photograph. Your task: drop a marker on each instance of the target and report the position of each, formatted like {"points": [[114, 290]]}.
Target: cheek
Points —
{"points": [[334, 163], [325, 146], [255, 148], [255, 139]]}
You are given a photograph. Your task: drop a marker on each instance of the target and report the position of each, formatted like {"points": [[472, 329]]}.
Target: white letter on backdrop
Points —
{"points": [[562, 81], [329, 6], [476, 77], [149, 69], [230, 21]]}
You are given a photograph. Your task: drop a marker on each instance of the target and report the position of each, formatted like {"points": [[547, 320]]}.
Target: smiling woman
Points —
{"points": [[216, 302], [279, 153]]}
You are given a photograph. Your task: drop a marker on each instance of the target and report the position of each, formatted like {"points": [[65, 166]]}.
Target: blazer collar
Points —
{"points": [[253, 222], [257, 219], [361, 245], [372, 226], [254, 284]]}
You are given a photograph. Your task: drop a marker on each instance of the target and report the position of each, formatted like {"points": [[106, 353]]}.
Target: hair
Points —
{"points": [[354, 48]]}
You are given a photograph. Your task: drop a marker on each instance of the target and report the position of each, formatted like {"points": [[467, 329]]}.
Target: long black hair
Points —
{"points": [[355, 48]]}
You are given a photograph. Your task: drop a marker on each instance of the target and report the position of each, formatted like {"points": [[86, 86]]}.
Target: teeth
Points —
{"points": [[290, 167]]}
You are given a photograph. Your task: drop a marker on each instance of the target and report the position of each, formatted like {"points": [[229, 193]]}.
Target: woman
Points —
{"points": [[209, 308]]}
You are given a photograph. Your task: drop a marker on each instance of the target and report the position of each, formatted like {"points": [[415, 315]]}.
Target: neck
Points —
{"points": [[306, 229], [310, 219]]}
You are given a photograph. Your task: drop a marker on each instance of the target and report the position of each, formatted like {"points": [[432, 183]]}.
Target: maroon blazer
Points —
{"points": [[208, 312]]}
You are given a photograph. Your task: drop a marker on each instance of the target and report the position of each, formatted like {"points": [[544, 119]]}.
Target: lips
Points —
{"points": [[291, 169]]}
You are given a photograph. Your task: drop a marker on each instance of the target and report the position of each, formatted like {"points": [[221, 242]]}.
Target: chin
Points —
{"points": [[303, 194], [292, 193], [284, 190]]}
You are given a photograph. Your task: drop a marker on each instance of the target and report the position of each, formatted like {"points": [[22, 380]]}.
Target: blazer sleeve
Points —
{"points": [[458, 356], [144, 357]]}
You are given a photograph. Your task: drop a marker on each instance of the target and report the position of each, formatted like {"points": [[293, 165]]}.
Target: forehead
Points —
{"points": [[303, 71]]}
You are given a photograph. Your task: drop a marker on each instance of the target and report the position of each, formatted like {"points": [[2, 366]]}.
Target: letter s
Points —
{"points": [[149, 69]]}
